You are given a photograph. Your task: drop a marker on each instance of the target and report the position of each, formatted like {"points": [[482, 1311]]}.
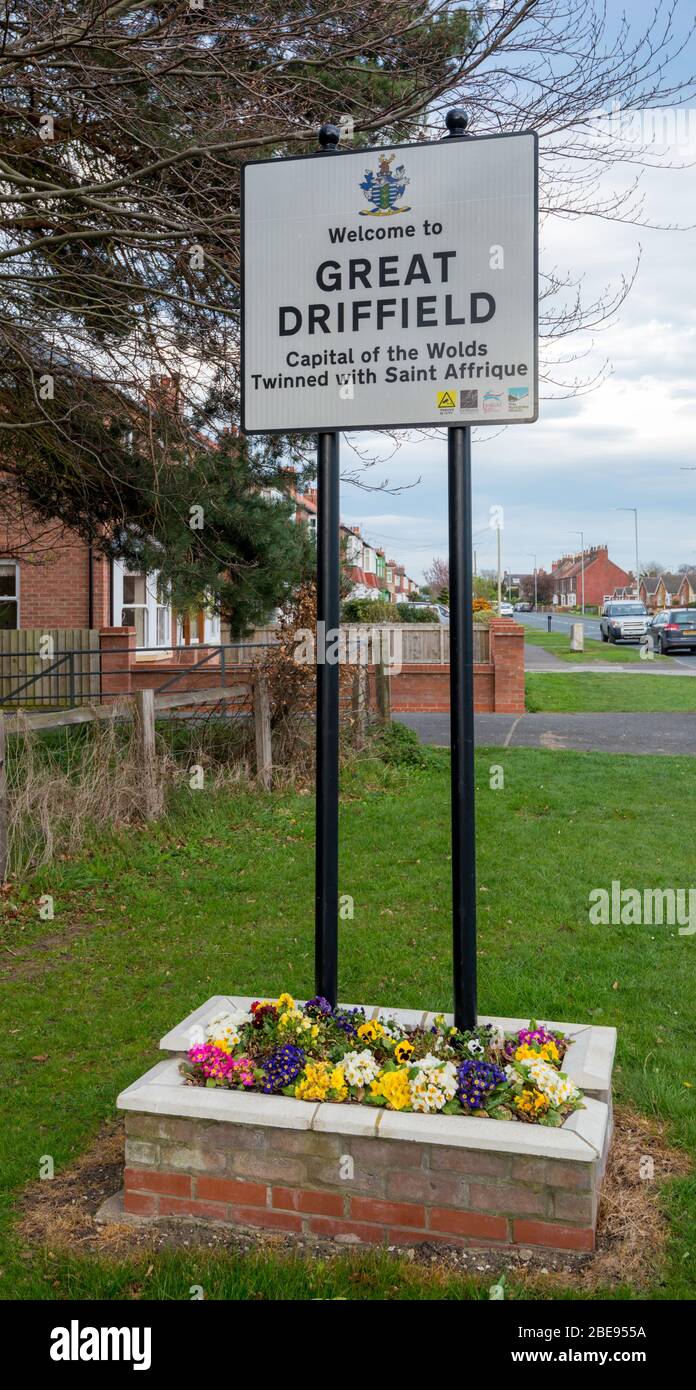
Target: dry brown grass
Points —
{"points": [[61, 791], [633, 1232]]}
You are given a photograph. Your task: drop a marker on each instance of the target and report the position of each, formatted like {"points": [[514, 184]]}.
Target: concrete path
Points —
{"points": [[607, 733], [538, 659]]}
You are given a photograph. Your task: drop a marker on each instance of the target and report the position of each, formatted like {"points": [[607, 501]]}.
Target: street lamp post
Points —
{"points": [[581, 534], [635, 521], [534, 558]]}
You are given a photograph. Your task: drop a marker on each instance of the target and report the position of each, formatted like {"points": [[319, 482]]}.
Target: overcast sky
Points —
{"points": [[626, 444]]}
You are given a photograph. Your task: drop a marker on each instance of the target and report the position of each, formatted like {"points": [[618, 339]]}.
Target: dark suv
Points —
{"points": [[674, 627]]}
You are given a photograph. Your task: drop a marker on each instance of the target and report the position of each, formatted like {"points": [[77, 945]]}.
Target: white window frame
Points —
{"points": [[9, 598], [151, 608]]}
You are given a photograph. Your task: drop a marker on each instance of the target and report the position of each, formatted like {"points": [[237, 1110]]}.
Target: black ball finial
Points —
{"points": [[456, 121], [329, 136]]}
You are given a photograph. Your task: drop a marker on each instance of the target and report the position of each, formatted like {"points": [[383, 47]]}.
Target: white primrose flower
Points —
{"points": [[226, 1026], [429, 1061], [434, 1084], [555, 1087], [359, 1068]]}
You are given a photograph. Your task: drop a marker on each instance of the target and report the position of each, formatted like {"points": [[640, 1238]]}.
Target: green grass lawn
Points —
{"points": [[219, 898], [559, 644], [556, 693]]}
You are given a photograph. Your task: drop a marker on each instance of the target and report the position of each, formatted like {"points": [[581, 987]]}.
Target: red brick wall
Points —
{"points": [[601, 578], [498, 685], [54, 574], [507, 655], [397, 1192], [425, 687]]}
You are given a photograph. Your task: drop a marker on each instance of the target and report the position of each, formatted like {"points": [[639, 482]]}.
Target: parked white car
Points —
{"points": [[506, 610], [624, 622]]}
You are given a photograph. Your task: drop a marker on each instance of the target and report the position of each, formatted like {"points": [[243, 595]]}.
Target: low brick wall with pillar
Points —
{"points": [[498, 683], [117, 655], [507, 656]]}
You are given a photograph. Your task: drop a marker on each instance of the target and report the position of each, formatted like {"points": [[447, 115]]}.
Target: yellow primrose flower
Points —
{"points": [[337, 1083], [548, 1053], [531, 1102], [285, 1001], [393, 1085], [223, 1044], [315, 1082]]}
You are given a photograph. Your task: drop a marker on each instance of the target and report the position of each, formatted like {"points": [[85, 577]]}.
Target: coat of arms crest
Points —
{"points": [[384, 188]]}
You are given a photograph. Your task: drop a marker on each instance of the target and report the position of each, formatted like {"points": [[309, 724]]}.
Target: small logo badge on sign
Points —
{"points": [[518, 398], [446, 402], [384, 188], [492, 402], [468, 400]]}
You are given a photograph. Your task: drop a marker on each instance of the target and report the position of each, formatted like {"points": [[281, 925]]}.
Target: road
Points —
{"points": [[561, 622], [607, 733]]}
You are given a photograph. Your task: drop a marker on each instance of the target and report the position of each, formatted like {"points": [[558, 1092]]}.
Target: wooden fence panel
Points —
{"points": [[482, 643], [34, 655], [403, 643]]}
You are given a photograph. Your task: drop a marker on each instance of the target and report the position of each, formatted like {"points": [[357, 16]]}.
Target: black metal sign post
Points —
{"points": [[328, 619], [463, 787], [462, 726], [266, 420]]}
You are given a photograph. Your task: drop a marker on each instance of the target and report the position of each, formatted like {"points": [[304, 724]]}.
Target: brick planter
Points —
{"points": [[356, 1173]]}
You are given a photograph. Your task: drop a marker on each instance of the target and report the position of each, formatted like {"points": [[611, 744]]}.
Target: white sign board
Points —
{"points": [[391, 287]]}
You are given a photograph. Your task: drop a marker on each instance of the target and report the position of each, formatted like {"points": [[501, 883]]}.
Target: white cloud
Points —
{"points": [[626, 444]]}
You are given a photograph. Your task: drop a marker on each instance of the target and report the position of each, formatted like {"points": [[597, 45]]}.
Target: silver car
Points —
{"points": [[624, 622]]}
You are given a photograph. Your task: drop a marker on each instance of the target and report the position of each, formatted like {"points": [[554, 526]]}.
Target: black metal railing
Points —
{"points": [[35, 680]]}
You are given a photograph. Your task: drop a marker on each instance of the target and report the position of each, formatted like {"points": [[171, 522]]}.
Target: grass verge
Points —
{"points": [[559, 644], [556, 693], [219, 898]]}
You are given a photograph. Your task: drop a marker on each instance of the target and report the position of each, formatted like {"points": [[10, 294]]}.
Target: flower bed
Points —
{"points": [[313, 1052], [211, 1146]]}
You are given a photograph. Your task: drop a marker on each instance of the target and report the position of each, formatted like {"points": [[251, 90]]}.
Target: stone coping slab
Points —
{"points": [[588, 1062], [162, 1091]]}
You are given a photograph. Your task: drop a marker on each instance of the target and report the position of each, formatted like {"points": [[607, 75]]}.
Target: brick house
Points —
{"points": [[373, 576], [687, 589], [662, 590], [51, 578], [601, 577]]}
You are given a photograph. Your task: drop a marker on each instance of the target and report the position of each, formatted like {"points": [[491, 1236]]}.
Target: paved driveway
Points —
{"points": [[607, 733]]}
